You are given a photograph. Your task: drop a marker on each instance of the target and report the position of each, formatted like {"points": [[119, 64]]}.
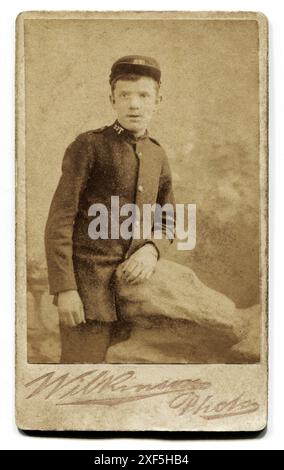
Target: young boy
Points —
{"points": [[118, 160]]}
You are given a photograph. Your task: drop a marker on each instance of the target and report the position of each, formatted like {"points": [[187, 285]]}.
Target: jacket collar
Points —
{"points": [[126, 134]]}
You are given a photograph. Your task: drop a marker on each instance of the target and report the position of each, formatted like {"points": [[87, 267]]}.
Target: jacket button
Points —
{"points": [[140, 188], [139, 154]]}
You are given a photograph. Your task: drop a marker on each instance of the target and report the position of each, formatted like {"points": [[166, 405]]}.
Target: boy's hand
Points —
{"points": [[70, 308], [140, 265]]}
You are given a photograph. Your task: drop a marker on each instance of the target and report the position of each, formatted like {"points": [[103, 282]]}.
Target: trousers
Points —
{"points": [[88, 342]]}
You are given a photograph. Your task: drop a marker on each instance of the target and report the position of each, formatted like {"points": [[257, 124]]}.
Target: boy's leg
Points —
{"points": [[87, 342]]}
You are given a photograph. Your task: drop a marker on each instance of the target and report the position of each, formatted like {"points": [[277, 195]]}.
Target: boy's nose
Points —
{"points": [[134, 103]]}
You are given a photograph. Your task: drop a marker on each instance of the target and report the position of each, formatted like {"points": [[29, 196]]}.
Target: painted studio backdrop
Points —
{"points": [[208, 123]]}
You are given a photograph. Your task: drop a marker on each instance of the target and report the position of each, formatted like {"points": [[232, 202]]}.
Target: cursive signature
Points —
{"points": [[185, 395], [210, 407]]}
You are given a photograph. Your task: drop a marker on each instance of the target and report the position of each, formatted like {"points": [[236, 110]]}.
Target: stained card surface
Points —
{"points": [[141, 221]]}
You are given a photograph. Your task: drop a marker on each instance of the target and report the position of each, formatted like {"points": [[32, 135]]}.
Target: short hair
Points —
{"points": [[131, 77]]}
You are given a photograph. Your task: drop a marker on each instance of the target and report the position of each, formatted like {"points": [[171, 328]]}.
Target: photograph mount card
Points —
{"points": [[142, 219]]}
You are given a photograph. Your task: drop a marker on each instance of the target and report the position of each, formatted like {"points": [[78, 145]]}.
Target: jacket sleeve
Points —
{"points": [[76, 165], [164, 223]]}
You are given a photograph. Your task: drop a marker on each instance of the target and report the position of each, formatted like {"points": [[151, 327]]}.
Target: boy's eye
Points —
{"points": [[125, 94]]}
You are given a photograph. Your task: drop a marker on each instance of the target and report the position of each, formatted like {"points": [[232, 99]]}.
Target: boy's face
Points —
{"points": [[135, 102]]}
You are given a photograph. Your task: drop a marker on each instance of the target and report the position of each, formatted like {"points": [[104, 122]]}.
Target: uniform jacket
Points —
{"points": [[97, 165]]}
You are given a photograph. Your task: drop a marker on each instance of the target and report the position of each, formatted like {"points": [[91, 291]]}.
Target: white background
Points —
{"points": [[10, 437]]}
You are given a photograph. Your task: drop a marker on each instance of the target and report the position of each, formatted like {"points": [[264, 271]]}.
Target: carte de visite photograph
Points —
{"points": [[141, 144]]}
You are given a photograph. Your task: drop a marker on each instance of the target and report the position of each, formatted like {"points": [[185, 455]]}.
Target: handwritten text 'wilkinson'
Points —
{"points": [[106, 389]]}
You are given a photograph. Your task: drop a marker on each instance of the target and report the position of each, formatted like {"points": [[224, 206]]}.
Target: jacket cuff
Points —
{"points": [[62, 284], [161, 245]]}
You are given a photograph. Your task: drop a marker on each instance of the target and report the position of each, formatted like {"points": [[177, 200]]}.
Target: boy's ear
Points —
{"points": [[159, 99], [111, 99]]}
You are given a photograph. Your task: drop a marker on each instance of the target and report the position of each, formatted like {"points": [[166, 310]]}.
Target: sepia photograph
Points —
{"points": [[142, 198]]}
